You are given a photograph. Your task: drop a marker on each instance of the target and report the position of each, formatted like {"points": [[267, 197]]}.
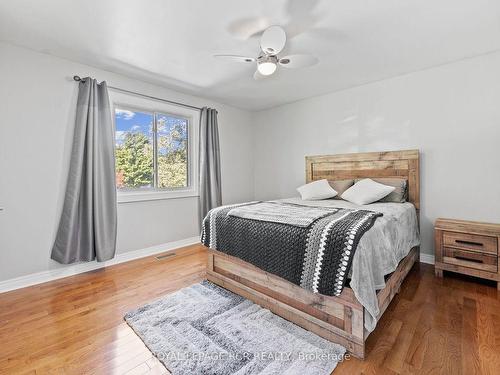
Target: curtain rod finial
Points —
{"points": [[77, 78]]}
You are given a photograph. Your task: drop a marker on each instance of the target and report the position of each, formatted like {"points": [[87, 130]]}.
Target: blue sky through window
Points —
{"points": [[133, 122]]}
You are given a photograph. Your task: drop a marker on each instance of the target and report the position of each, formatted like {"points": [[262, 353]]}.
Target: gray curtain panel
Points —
{"points": [[87, 229], [210, 179]]}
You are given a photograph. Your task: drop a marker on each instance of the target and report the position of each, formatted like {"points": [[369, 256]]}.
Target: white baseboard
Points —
{"points": [[426, 258], [74, 269]]}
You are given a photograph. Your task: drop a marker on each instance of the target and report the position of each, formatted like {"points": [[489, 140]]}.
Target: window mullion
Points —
{"points": [[155, 151]]}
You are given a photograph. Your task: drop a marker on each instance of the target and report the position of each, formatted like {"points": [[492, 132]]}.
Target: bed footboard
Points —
{"points": [[337, 319]]}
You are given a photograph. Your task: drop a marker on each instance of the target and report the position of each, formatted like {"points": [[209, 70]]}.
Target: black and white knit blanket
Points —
{"points": [[312, 247]]}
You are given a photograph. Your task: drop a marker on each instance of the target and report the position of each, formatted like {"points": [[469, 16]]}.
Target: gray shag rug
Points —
{"points": [[205, 329]]}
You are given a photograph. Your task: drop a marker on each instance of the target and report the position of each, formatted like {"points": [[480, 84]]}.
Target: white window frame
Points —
{"points": [[138, 103]]}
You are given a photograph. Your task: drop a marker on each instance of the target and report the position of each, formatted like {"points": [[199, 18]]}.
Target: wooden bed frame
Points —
{"points": [[338, 319]]}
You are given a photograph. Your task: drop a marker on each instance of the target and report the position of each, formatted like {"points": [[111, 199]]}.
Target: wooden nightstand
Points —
{"points": [[467, 247]]}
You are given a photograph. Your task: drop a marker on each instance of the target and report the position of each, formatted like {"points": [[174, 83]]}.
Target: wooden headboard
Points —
{"points": [[400, 164]]}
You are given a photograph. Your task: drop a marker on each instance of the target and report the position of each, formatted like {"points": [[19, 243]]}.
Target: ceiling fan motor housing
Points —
{"points": [[266, 64], [267, 58]]}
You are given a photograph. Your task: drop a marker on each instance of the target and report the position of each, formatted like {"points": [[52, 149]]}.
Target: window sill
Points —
{"points": [[141, 196]]}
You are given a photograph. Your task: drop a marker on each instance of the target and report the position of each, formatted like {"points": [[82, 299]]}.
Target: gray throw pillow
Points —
{"points": [[340, 186], [399, 195]]}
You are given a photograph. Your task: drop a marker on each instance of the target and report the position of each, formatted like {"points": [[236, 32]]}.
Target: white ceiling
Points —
{"points": [[171, 42]]}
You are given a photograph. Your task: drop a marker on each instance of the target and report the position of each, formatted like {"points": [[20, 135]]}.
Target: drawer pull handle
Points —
{"points": [[463, 242], [468, 259]]}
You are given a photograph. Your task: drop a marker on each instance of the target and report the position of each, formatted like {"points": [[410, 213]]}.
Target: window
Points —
{"points": [[134, 149], [153, 153]]}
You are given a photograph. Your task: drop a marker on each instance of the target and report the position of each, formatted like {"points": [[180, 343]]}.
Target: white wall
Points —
{"points": [[37, 105], [451, 113]]}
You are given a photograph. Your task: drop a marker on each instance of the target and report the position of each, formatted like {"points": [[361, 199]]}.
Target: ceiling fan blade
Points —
{"points": [[247, 28], [236, 58], [273, 40], [298, 61], [257, 76]]}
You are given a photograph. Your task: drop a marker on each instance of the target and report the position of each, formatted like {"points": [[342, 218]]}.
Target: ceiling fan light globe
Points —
{"points": [[266, 68]]}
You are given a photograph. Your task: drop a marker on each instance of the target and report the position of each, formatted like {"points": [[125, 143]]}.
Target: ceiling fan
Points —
{"points": [[272, 42]]}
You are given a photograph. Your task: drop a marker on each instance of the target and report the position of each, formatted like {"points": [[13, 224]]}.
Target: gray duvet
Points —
{"points": [[380, 249]]}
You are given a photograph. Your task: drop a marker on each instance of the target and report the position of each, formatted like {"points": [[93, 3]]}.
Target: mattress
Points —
{"points": [[379, 251]]}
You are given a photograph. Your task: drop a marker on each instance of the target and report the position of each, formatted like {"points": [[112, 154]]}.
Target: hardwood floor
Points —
{"points": [[75, 325]]}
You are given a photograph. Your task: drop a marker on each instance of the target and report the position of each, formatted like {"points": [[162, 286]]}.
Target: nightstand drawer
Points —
{"points": [[471, 242], [470, 259]]}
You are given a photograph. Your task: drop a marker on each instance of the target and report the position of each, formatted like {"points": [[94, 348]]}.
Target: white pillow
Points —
{"points": [[316, 190], [366, 191]]}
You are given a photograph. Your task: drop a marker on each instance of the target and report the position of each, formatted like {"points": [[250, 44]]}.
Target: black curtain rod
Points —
{"points": [[79, 79]]}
